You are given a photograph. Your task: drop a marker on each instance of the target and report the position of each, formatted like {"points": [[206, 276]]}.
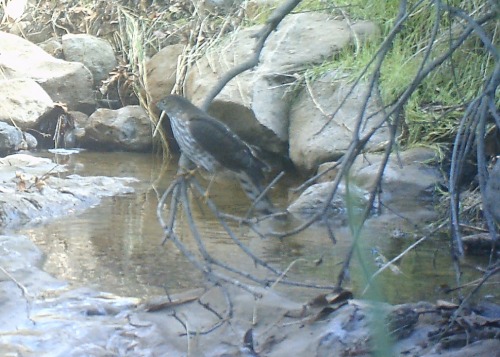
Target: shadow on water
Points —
{"points": [[116, 246]]}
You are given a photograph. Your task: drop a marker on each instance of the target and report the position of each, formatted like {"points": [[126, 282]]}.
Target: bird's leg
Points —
{"points": [[186, 167], [207, 191]]}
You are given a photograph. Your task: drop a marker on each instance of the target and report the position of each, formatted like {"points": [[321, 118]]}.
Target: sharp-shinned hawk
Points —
{"points": [[211, 144]]}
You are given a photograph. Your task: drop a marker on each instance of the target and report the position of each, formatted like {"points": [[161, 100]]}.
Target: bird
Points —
{"points": [[210, 144]]}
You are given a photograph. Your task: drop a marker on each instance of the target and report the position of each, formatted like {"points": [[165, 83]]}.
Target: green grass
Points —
{"points": [[433, 111]]}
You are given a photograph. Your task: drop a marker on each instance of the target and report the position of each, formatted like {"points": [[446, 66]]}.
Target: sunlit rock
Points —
{"points": [[95, 53], [317, 137], [128, 128], [24, 102], [161, 73], [67, 82]]}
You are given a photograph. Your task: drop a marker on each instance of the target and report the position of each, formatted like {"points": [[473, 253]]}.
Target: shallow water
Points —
{"points": [[116, 246]]}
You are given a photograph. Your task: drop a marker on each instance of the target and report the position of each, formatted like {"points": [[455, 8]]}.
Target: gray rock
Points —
{"points": [[30, 140], [66, 82], [10, 138], [127, 128], [409, 178], [31, 195], [80, 120], [313, 200], [408, 187], [256, 103], [309, 38], [24, 102], [53, 47], [95, 53], [315, 137]]}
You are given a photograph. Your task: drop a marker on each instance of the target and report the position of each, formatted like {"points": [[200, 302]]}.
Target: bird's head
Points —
{"points": [[179, 107], [170, 103]]}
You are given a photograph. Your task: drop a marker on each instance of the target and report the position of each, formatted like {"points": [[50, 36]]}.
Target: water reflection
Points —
{"points": [[116, 246]]}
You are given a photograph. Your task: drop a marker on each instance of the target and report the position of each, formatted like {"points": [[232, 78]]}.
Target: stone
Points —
{"points": [[409, 180], [53, 47], [315, 136], [127, 128], [32, 190], [67, 82], [408, 187], [161, 73], [313, 200], [31, 142], [11, 138], [95, 53], [256, 103], [24, 102]]}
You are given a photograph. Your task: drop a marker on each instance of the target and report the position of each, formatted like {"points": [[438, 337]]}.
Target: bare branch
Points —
{"points": [[261, 37]]}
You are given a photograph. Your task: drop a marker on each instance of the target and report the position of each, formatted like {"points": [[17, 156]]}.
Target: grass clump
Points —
{"points": [[434, 109]]}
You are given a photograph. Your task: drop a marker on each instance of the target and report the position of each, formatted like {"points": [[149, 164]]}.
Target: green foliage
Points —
{"points": [[433, 111]]}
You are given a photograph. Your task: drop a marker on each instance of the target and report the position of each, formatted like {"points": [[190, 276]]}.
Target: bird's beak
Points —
{"points": [[158, 125]]}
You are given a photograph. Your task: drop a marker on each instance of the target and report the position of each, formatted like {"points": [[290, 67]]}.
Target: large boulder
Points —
{"points": [[24, 102], [256, 103], [408, 186], [161, 72], [409, 177], [317, 137], [127, 128], [67, 82], [95, 53]]}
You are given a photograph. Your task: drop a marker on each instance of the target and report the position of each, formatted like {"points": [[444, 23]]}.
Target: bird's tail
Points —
{"points": [[253, 189]]}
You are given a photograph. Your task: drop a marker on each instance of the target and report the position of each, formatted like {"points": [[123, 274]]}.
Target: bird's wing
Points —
{"points": [[225, 146]]}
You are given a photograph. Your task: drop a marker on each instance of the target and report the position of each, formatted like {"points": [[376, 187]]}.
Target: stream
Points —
{"points": [[116, 246]]}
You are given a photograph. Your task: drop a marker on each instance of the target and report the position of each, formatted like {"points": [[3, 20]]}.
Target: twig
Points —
{"points": [[401, 255]]}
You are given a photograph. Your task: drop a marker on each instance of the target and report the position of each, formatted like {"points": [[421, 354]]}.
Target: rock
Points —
{"points": [[32, 192], [30, 164], [482, 348], [310, 143], [66, 82], [313, 200], [24, 102], [127, 128], [30, 140], [309, 38], [408, 185], [408, 180], [53, 47], [256, 103], [11, 138], [161, 72], [95, 53], [29, 107], [80, 121], [14, 10]]}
